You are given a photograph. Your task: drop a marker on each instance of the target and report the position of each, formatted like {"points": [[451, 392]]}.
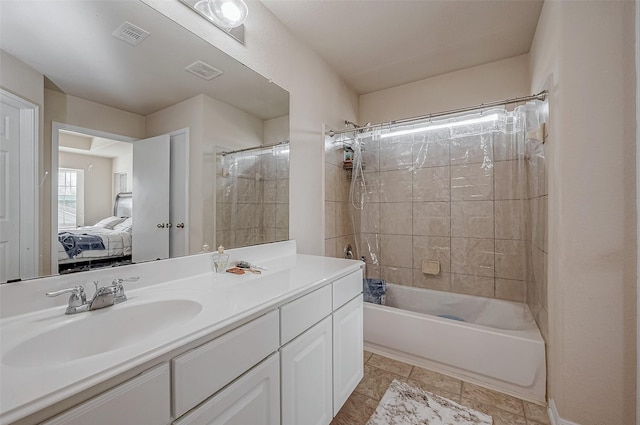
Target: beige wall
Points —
{"points": [[317, 96], [494, 81], [584, 51], [98, 202], [276, 130]]}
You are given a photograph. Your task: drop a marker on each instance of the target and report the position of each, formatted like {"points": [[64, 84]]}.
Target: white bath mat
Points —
{"points": [[404, 404]]}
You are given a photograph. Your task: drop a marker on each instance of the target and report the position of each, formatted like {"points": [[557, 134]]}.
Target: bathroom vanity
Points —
{"points": [[188, 346]]}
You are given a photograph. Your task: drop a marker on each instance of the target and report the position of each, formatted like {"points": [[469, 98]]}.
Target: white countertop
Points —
{"points": [[225, 299]]}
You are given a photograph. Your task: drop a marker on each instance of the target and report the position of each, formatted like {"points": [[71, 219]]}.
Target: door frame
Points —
{"points": [[29, 178], [55, 145]]}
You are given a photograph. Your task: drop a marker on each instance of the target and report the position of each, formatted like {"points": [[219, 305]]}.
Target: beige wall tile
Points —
{"points": [[343, 185], [329, 248], [400, 276], [510, 259], [472, 285], [396, 218], [369, 218], [341, 243], [282, 216], [430, 153], [440, 282], [371, 154], [329, 219], [344, 217], [270, 191], [432, 184], [504, 147], [511, 290], [269, 216], [395, 186], [472, 182], [396, 251], [282, 191], [330, 182], [472, 149], [370, 247], [432, 218], [472, 219], [395, 153], [472, 256], [508, 178], [431, 248], [509, 219], [332, 151], [538, 220]]}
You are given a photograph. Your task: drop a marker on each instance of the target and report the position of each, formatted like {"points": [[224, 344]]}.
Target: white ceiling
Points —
{"points": [[375, 45], [70, 42]]}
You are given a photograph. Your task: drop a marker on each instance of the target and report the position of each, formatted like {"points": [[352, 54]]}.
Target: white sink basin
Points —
{"points": [[100, 331]]}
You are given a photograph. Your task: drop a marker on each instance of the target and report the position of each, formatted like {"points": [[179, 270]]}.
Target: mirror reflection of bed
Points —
{"points": [[107, 243]]}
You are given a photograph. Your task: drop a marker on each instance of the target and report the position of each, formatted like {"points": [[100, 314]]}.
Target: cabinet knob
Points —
{"points": [[180, 225], [160, 225]]}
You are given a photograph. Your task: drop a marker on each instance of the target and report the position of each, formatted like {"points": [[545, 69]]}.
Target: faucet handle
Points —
{"points": [[117, 283], [77, 297]]}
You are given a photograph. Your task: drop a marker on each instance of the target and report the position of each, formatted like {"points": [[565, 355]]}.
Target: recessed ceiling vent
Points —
{"points": [[203, 70], [130, 33]]}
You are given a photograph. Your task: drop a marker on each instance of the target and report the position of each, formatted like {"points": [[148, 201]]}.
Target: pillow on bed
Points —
{"points": [[110, 222], [125, 226]]}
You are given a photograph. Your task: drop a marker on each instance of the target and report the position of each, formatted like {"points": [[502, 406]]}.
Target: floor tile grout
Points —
{"points": [[460, 393]]}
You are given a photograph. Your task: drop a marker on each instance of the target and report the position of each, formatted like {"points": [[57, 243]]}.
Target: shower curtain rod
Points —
{"points": [[540, 96], [286, 142]]}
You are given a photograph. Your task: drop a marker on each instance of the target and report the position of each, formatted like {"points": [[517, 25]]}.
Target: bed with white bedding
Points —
{"points": [[111, 236]]}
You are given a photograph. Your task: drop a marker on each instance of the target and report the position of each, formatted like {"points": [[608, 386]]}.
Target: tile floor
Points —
{"points": [[379, 371]]}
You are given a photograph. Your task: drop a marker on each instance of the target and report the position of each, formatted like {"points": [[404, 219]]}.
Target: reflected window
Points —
{"points": [[70, 199]]}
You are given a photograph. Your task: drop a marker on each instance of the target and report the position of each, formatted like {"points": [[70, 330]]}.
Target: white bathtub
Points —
{"points": [[497, 346]]}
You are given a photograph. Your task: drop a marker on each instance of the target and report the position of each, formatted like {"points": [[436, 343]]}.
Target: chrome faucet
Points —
{"points": [[103, 297]]}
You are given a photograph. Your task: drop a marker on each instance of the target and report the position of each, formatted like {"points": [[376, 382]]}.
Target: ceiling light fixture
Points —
{"points": [[228, 15]]}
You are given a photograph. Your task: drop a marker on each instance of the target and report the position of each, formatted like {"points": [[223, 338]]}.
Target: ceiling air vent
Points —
{"points": [[130, 33], [203, 70]]}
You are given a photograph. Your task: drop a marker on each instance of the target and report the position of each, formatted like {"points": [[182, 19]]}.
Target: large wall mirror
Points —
{"points": [[146, 142]]}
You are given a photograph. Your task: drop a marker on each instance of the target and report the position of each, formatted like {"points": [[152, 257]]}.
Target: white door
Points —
{"points": [[18, 188], [150, 232], [179, 194], [347, 351], [9, 192], [254, 399], [306, 377]]}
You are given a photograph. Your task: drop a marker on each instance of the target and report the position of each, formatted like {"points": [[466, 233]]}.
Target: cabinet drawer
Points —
{"points": [[299, 315], [345, 288], [141, 400], [203, 371], [253, 399]]}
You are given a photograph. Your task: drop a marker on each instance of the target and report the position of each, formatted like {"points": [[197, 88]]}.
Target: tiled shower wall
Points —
{"points": [[536, 231], [339, 214], [252, 198], [457, 201]]}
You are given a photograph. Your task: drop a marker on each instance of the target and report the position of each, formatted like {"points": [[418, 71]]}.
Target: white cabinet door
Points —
{"points": [[143, 400], [254, 399], [306, 377], [347, 351]]}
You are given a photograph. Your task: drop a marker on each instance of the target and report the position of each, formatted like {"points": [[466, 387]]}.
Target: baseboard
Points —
{"points": [[554, 416]]}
